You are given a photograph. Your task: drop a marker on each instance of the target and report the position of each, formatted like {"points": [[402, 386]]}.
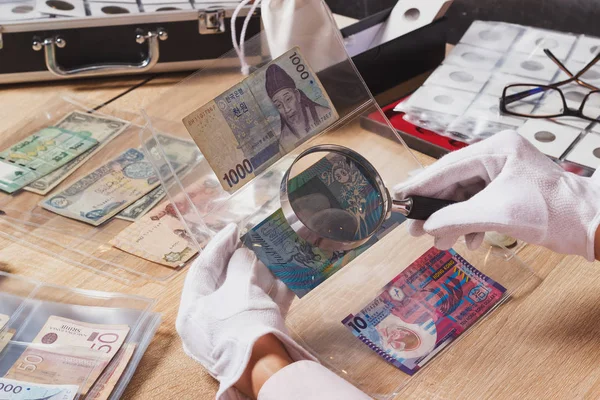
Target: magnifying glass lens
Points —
{"points": [[334, 196]]}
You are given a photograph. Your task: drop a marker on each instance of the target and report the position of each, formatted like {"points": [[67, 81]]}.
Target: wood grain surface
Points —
{"points": [[540, 344]]}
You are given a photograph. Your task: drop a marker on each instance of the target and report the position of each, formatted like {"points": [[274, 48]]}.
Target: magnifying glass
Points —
{"points": [[335, 199]]}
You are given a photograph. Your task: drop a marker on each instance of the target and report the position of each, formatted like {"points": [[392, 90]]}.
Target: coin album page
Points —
{"points": [[461, 98]]}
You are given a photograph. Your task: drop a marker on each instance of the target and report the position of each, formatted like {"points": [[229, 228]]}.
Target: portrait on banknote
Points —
{"points": [[298, 113]]}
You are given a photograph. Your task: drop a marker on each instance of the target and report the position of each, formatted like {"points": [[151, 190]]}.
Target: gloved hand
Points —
{"points": [[505, 184], [229, 301]]}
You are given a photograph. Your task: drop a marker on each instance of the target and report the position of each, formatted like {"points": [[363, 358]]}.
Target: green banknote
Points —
{"points": [[98, 127], [39, 154]]}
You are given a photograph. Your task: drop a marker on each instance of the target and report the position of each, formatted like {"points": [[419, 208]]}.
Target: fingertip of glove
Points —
{"points": [[415, 228], [474, 240], [445, 242]]}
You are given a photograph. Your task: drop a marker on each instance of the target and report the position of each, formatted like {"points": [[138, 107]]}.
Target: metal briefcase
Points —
{"points": [[59, 48]]}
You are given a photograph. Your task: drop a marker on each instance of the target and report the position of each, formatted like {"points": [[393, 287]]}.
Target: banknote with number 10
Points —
{"points": [[256, 122]]}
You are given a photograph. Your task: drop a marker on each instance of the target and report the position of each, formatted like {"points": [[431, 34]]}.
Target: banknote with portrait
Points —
{"points": [[423, 309], [253, 124]]}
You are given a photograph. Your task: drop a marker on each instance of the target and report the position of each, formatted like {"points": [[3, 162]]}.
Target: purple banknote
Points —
{"points": [[426, 307]]}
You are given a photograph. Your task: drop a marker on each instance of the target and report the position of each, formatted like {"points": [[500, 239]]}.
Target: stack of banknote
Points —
{"points": [[67, 358]]}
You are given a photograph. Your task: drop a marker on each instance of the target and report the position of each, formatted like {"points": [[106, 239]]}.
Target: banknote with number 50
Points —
{"points": [[256, 122]]}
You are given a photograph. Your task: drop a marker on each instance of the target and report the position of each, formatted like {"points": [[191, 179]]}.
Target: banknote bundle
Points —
{"points": [[300, 265], [253, 124], [45, 158], [69, 358], [423, 309]]}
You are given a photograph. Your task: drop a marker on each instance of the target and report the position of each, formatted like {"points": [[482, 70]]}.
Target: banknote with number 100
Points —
{"points": [[423, 309], [256, 122]]}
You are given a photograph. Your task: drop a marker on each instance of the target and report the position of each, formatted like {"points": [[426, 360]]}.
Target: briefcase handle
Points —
{"points": [[50, 44]]}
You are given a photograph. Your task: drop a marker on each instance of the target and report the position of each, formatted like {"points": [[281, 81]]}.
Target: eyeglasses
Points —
{"points": [[548, 101]]}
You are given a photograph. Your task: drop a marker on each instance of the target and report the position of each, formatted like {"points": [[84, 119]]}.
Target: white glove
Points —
{"points": [[304, 23], [505, 184], [229, 301]]}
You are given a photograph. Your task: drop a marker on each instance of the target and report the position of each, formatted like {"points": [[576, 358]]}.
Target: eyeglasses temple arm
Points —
{"points": [[570, 74]]}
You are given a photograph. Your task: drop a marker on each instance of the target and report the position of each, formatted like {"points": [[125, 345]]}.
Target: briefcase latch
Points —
{"points": [[211, 22]]}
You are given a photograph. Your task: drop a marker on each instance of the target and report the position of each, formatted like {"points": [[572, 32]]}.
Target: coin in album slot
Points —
{"points": [[499, 80], [591, 76], [179, 4], [457, 77], [19, 11], [486, 107], [499, 239], [441, 99], [166, 7], [549, 137], [471, 57], [586, 151], [99, 9], [66, 8], [529, 66], [496, 36], [585, 50], [534, 41]]}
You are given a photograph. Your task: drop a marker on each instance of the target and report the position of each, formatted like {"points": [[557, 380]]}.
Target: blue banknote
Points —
{"points": [[300, 265]]}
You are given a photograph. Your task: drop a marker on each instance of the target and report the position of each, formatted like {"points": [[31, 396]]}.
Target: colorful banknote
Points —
{"points": [[253, 124], [300, 265], [423, 309], [39, 154], [98, 127], [99, 196], [160, 236], [18, 390], [330, 182], [142, 205]]}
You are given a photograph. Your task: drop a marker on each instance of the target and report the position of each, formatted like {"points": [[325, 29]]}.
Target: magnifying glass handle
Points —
{"points": [[418, 207]]}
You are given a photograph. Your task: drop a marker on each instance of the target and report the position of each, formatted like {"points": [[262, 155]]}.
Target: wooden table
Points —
{"points": [[541, 344]]}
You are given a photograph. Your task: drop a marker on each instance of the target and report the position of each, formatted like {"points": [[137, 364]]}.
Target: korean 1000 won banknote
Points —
{"points": [[423, 309], [253, 124], [103, 193], [39, 154], [99, 127], [18, 390]]}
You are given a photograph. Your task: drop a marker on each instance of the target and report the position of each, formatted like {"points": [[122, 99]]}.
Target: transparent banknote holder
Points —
{"points": [[88, 307], [26, 222], [13, 290], [18, 359], [315, 320]]}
